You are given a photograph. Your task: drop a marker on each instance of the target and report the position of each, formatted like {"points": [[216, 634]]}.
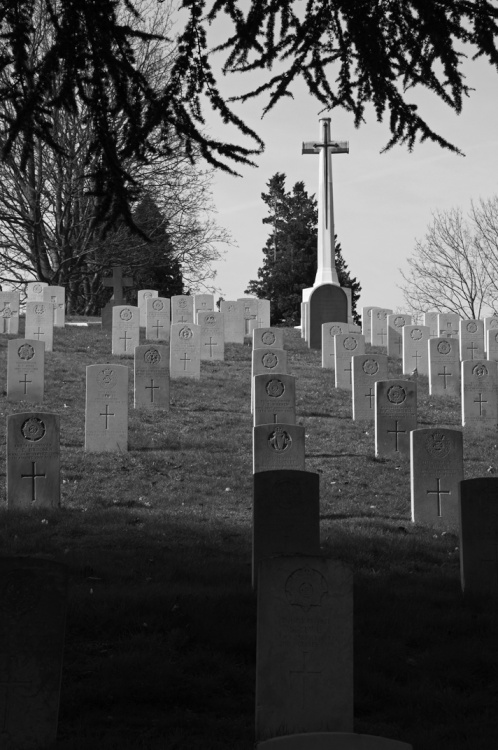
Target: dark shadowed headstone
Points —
{"points": [[33, 595], [304, 653], [33, 461], [332, 741], [479, 536], [286, 515], [327, 302]]}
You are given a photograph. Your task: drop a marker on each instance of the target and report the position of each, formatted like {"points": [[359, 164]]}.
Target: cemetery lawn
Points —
{"points": [[160, 639]]}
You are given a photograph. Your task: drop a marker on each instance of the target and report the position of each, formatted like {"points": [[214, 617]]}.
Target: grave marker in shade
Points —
{"points": [[395, 417], [304, 652], [479, 536], [25, 370], [151, 381], [33, 462]]}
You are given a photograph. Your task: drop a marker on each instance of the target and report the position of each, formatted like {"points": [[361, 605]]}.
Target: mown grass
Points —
{"points": [[160, 641]]}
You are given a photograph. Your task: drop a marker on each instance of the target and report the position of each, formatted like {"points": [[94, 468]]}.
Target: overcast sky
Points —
{"points": [[382, 202]]}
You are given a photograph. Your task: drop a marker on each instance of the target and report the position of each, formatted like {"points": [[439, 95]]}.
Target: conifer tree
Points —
{"points": [[290, 253]]}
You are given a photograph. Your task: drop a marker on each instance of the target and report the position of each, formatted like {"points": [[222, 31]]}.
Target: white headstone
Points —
{"points": [[448, 324], [492, 344], [267, 361], [431, 319], [444, 367], [378, 326], [304, 652], [263, 316], [268, 338], [367, 369], [151, 373], [125, 330], [234, 321], [203, 303], [274, 399], [366, 323], [25, 370], [182, 309], [329, 332], [436, 470], [9, 312], [212, 335], [57, 296], [40, 323], [416, 349], [106, 414], [347, 345], [479, 393], [395, 324], [142, 296], [185, 351], [157, 318], [472, 339], [250, 307], [278, 446], [34, 291], [395, 417]]}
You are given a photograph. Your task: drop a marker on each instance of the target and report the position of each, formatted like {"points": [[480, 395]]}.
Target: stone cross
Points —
{"points": [[117, 282], [326, 270]]}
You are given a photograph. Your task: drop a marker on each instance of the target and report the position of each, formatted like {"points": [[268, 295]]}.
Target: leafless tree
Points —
{"points": [[455, 267]]}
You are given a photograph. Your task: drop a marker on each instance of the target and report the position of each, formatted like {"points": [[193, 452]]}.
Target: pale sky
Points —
{"points": [[382, 202]]}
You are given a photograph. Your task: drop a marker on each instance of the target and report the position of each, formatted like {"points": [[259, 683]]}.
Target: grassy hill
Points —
{"points": [[160, 641]]}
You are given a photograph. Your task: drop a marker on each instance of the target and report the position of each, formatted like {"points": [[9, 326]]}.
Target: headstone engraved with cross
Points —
{"points": [[233, 310], [157, 319], [395, 417], [278, 446], [366, 322], [436, 470], [347, 345], [143, 295], [33, 461], [444, 367], [472, 339], [379, 326], [431, 319], [203, 303], [274, 399], [212, 327], [125, 330], [182, 309], [116, 282], [326, 300], [267, 361], [9, 312], [490, 324], [33, 595], [268, 338], [367, 369], [329, 332], [492, 344], [106, 415], [25, 370], [185, 351], [448, 325], [250, 308], [415, 353], [479, 536], [286, 515], [151, 379], [264, 313], [40, 323], [395, 324], [479, 392], [304, 651], [56, 295]]}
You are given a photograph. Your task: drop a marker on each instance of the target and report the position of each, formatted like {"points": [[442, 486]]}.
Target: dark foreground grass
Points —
{"points": [[160, 642]]}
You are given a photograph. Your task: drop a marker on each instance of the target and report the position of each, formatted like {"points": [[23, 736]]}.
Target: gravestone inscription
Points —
{"points": [[33, 460], [479, 392], [40, 323], [274, 399], [346, 346], [444, 367], [125, 330], [304, 652], [185, 351]]}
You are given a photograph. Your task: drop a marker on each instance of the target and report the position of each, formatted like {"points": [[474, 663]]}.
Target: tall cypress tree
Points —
{"points": [[290, 253]]}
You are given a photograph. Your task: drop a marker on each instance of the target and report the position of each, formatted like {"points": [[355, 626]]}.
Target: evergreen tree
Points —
{"points": [[290, 253]]}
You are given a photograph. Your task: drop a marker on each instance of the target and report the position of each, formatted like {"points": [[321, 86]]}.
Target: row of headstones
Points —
{"points": [[46, 312], [478, 338], [304, 660], [475, 380]]}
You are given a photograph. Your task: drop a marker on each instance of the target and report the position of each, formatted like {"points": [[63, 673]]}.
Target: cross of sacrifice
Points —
{"points": [[326, 271], [438, 492], [117, 282], [33, 476]]}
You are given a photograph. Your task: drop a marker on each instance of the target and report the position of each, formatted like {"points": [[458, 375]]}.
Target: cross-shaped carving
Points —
{"points": [[152, 388], [480, 401], [25, 383], [445, 375], [396, 432], [33, 476], [305, 673], [438, 492], [107, 414]]}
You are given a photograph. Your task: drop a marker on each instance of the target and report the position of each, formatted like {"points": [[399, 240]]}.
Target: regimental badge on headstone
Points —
{"points": [[274, 399], [212, 335], [151, 377], [25, 370], [40, 323], [33, 464], [395, 324], [444, 366], [415, 340], [278, 446], [106, 413], [347, 345]]}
